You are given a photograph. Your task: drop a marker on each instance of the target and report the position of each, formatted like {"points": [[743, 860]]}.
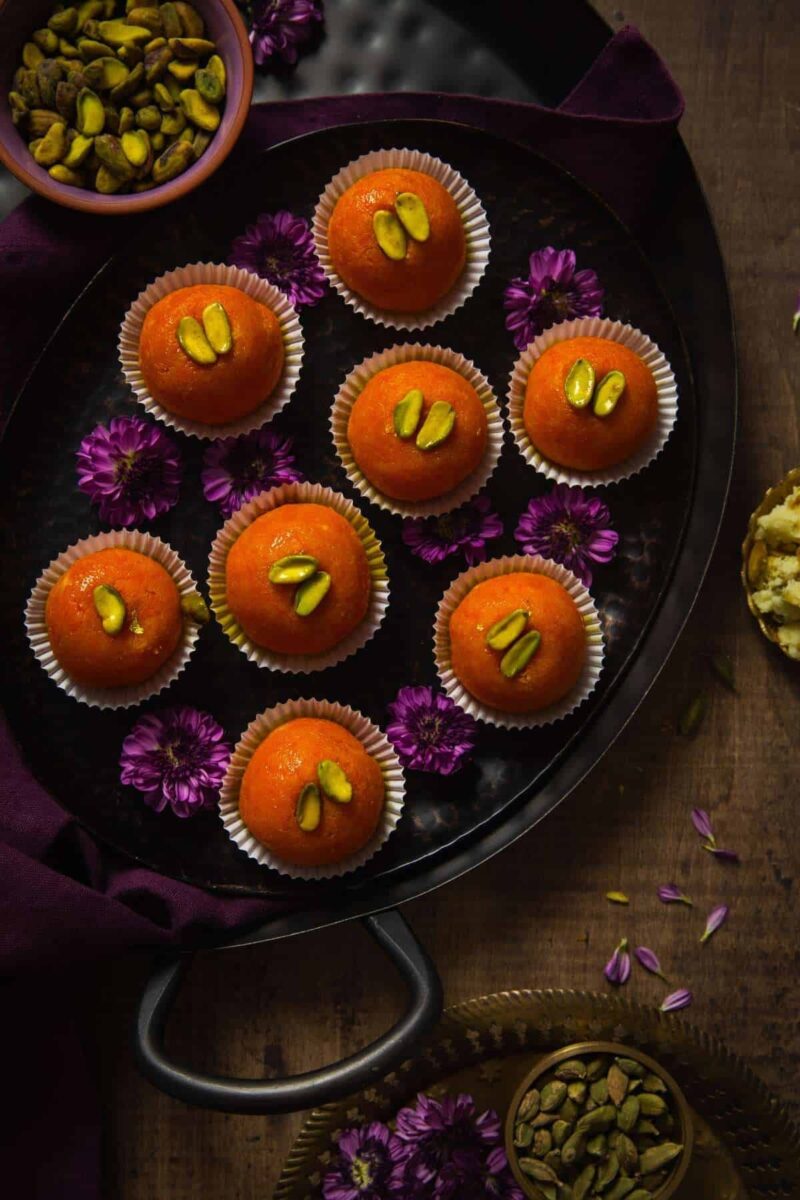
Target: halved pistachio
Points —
{"points": [[507, 629], [187, 48], [193, 341], [48, 77], [413, 216], [308, 812], [103, 74], [32, 55], [520, 654], [149, 117], [182, 71], [311, 593], [170, 21], [66, 95], [217, 327], [53, 146], [208, 86], [175, 159], [46, 40], [173, 123], [64, 174], [407, 413], [437, 426], [90, 49], [162, 97], [136, 147], [106, 182], [109, 150], [199, 111], [607, 393], [334, 782], [579, 383], [194, 606], [149, 17], [190, 19], [293, 568], [217, 67], [200, 142], [90, 116], [389, 234], [126, 119], [120, 33], [110, 608]]}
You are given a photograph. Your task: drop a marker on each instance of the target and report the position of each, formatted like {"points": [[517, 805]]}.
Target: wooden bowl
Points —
{"points": [[772, 498], [591, 1050], [19, 18]]}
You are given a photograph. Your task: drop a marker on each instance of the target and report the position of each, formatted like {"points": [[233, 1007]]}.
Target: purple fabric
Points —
{"points": [[64, 901]]}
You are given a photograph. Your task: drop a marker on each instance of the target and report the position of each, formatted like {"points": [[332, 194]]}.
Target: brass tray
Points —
{"points": [[745, 1144]]}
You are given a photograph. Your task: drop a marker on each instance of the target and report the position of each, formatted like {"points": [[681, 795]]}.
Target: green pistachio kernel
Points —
{"points": [[407, 414], [110, 608], [607, 393], [579, 383], [520, 654], [389, 234], [507, 629], [193, 341], [293, 568], [308, 812], [334, 782], [437, 426], [217, 327], [413, 216], [311, 593]]}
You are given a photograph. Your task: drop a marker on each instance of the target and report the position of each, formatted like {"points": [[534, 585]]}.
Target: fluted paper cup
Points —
{"points": [[355, 383], [534, 564], [615, 331], [255, 287], [39, 638], [298, 493], [374, 741], [473, 216]]}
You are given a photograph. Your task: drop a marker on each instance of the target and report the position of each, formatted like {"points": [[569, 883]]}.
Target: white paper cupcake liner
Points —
{"points": [[615, 331], [535, 565], [355, 383], [473, 216], [245, 281], [36, 625], [374, 742], [298, 493]]}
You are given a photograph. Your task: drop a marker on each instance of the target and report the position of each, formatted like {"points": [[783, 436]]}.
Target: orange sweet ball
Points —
{"points": [[86, 652], [281, 767], [555, 667], [397, 467], [429, 269], [223, 391], [265, 610], [578, 438]]}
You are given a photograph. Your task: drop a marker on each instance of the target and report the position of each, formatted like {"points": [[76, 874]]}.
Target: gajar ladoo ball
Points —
{"points": [[113, 618], [311, 794], [417, 430], [298, 579], [396, 238], [590, 403], [210, 353], [518, 642]]}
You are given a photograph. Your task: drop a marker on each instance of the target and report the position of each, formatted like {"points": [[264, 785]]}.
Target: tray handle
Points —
{"points": [[313, 1088]]}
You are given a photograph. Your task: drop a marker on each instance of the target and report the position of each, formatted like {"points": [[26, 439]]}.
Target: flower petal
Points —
{"points": [[676, 1000], [716, 918], [702, 823], [670, 893], [649, 960]]}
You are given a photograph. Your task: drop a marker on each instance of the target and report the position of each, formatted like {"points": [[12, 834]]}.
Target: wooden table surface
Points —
{"points": [[536, 915]]}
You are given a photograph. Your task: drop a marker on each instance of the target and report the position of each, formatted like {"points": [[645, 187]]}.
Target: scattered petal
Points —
{"points": [[552, 291], [429, 731], [677, 1000], [723, 667], [670, 893], [796, 316], [716, 918], [570, 526], [692, 716], [702, 823], [618, 968], [468, 529], [649, 960], [723, 855], [617, 898]]}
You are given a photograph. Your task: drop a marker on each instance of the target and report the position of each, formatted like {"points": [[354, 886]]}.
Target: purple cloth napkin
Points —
{"points": [[63, 900]]}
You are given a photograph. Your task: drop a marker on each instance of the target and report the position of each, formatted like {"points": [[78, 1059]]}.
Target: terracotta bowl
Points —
{"points": [[19, 18], [591, 1050]]}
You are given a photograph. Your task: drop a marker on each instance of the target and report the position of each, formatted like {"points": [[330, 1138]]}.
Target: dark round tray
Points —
{"points": [[75, 750]]}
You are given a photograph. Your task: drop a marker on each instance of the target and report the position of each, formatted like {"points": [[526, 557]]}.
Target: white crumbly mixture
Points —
{"points": [[779, 591]]}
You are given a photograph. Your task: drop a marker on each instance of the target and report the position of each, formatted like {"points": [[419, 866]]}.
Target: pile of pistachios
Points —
{"points": [[118, 103], [601, 1126]]}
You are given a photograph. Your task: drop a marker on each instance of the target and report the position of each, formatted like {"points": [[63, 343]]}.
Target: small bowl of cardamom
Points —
{"points": [[117, 107], [599, 1118], [771, 564]]}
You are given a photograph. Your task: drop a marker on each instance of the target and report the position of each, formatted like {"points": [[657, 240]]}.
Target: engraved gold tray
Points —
{"points": [[745, 1144]]}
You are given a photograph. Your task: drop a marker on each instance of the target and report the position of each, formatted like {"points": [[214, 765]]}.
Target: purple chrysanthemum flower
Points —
{"points": [[488, 1180], [177, 757], [279, 247], [552, 291], [429, 731], [447, 1145], [569, 526], [468, 528], [369, 1166], [130, 469], [237, 468], [279, 27]]}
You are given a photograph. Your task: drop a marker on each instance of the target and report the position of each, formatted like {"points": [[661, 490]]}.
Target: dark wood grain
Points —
{"points": [[536, 916]]}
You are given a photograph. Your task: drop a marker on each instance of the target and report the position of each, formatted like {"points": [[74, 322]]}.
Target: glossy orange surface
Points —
{"points": [[221, 392], [89, 654], [282, 765], [429, 269], [265, 610], [576, 437], [398, 468], [555, 667]]}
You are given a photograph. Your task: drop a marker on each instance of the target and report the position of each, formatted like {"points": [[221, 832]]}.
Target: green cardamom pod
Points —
{"points": [[553, 1095], [500, 637], [656, 1157], [520, 654], [622, 1188], [632, 1068], [600, 1119], [569, 1111], [579, 383], [334, 782], [651, 1106], [573, 1068], [529, 1105], [628, 1114], [582, 1185], [574, 1147], [607, 393], [437, 426], [617, 1082], [308, 812], [535, 1169], [407, 413], [523, 1135], [561, 1131], [542, 1142], [577, 1091], [595, 1068], [645, 1128], [626, 1152], [607, 1172], [654, 1083], [110, 608], [310, 593], [596, 1146], [542, 1119]]}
